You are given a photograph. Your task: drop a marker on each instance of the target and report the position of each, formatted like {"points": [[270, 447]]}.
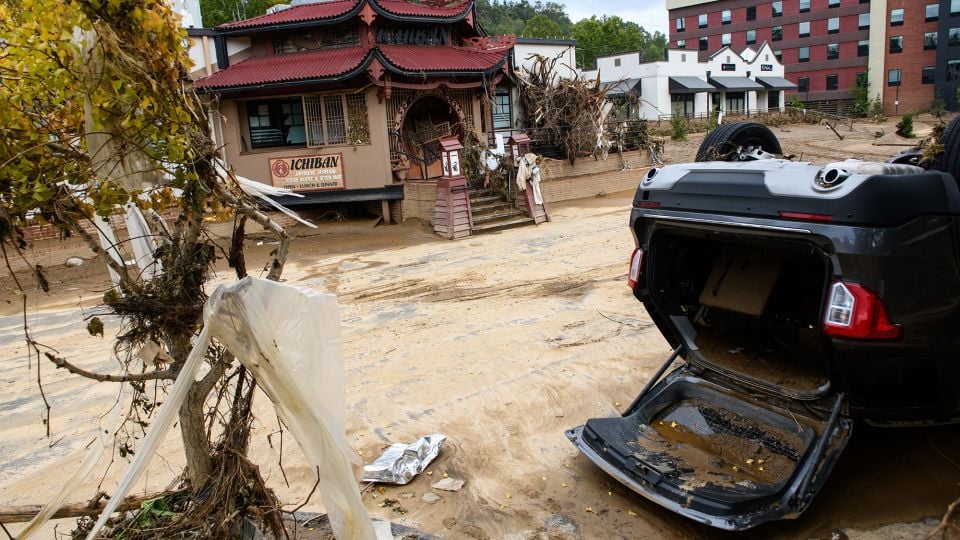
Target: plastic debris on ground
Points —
{"points": [[401, 462]]}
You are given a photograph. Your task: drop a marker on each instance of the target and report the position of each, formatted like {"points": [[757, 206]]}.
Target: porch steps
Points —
{"points": [[493, 212]]}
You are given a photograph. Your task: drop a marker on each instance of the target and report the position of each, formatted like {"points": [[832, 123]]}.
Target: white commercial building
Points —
{"points": [[749, 82]]}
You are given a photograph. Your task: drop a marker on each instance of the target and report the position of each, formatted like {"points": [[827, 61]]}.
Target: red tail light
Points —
{"points": [[636, 265], [855, 312]]}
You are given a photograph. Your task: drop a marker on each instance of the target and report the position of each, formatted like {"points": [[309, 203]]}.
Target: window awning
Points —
{"points": [[776, 83], [689, 85], [619, 88], [736, 84]]}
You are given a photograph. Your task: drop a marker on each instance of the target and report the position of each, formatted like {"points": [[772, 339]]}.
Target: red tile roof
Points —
{"points": [[441, 58], [302, 13], [318, 64], [402, 7]]}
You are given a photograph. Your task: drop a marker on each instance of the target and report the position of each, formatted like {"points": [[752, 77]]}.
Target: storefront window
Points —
{"points": [[736, 102], [276, 122], [313, 121], [682, 104]]}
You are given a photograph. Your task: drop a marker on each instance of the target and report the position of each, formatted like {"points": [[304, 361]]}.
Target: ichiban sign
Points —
{"points": [[308, 173]]}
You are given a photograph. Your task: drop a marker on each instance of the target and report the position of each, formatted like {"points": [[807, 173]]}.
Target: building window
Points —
{"points": [[702, 21], [276, 122], [804, 6], [777, 33], [704, 43], [896, 17], [803, 54], [833, 81], [862, 78], [896, 44], [932, 12], [724, 39], [682, 104], [953, 70], [863, 21], [833, 51], [778, 55], [804, 29], [803, 84], [736, 102], [681, 44], [725, 16], [893, 77], [777, 8], [929, 41], [833, 3], [501, 109], [833, 25], [954, 7], [616, 62], [751, 13], [863, 47], [751, 37], [929, 75], [953, 38], [681, 24], [773, 100], [336, 119]]}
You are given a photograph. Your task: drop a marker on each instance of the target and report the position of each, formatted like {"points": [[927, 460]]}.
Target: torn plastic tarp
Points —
{"points": [[401, 462], [289, 339]]}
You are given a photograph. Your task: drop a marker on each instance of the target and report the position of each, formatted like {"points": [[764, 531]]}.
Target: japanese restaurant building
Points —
{"points": [[346, 100]]}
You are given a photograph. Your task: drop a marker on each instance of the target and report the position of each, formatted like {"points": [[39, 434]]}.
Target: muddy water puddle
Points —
{"points": [[709, 445]]}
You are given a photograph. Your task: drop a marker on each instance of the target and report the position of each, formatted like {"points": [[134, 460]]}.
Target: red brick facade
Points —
{"points": [[913, 94]]}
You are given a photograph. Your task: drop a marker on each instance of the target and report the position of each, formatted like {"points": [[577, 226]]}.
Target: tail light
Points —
{"points": [[855, 312], [636, 265]]}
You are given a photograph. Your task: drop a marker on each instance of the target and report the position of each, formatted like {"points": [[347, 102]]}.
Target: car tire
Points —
{"points": [[722, 143], [949, 160]]}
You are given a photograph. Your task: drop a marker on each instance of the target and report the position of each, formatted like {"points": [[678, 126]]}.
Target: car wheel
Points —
{"points": [[730, 142], [949, 160]]}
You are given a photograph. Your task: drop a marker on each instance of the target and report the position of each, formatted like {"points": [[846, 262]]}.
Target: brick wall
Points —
{"points": [[913, 95]]}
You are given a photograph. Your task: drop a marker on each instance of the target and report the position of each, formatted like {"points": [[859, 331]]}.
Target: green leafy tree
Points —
{"points": [[905, 126], [605, 36], [217, 12], [540, 26], [860, 92]]}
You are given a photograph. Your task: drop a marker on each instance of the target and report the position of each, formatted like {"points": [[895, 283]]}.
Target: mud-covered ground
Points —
{"points": [[500, 342]]}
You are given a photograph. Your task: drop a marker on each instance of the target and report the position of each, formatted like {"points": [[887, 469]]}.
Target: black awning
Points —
{"points": [[776, 83], [689, 85], [619, 88], [737, 84]]}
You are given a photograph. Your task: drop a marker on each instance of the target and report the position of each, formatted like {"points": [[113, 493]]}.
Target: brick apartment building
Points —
{"points": [[826, 44]]}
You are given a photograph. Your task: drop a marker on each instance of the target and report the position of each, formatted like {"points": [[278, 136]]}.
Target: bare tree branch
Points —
{"points": [[102, 377]]}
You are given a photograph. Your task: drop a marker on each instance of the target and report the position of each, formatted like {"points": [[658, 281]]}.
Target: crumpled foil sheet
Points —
{"points": [[401, 462]]}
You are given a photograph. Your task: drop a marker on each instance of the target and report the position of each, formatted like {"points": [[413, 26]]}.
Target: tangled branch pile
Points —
{"points": [[564, 115]]}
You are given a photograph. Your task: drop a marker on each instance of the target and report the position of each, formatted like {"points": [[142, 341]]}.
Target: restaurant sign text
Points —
{"points": [[308, 173]]}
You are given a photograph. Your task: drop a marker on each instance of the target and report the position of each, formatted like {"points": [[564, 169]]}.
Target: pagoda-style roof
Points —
{"points": [[336, 11], [416, 59]]}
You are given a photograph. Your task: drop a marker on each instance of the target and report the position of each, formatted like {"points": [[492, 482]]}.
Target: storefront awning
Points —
{"points": [[619, 88], [689, 85], [776, 83], [736, 84]]}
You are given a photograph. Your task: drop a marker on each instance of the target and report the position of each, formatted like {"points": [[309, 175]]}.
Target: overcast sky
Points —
{"points": [[650, 14]]}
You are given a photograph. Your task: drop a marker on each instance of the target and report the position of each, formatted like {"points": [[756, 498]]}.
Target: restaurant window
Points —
{"points": [[751, 37], [833, 25], [803, 84], [751, 13], [931, 12], [501, 109], [833, 81], [777, 33], [276, 122], [863, 21], [833, 51], [928, 75], [725, 39], [804, 29], [704, 43], [702, 21], [736, 102], [863, 47], [682, 104], [336, 119], [896, 44], [804, 6], [681, 24], [896, 17], [777, 8], [929, 40], [725, 16], [803, 54], [893, 77]]}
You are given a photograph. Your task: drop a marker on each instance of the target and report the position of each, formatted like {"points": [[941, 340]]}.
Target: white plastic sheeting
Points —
{"points": [[289, 339], [144, 243]]}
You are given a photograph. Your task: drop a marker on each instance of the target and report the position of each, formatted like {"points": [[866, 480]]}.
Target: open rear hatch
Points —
{"points": [[747, 430], [706, 449]]}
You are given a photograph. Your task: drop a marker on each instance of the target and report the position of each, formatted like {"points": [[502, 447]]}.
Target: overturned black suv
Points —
{"points": [[800, 298]]}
